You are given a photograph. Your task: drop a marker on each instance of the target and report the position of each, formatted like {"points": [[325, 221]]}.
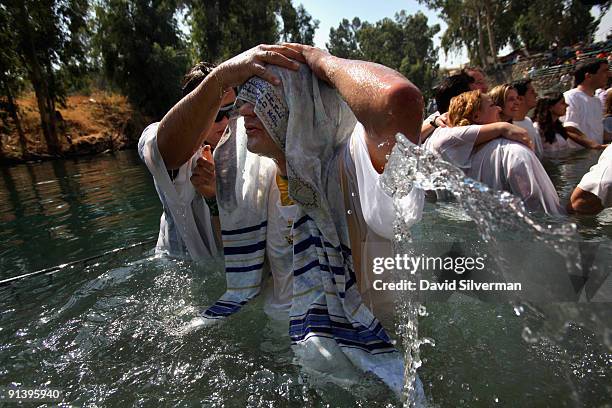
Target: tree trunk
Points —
{"points": [[492, 46], [481, 47], [45, 101], [12, 108]]}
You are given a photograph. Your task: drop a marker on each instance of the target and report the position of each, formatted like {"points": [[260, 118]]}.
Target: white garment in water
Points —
{"points": [[585, 113], [185, 227], [551, 149], [599, 178], [501, 164], [534, 135]]}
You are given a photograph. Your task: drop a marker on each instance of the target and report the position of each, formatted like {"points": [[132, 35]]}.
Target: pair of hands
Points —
{"points": [[239, 69], [253, 62]]}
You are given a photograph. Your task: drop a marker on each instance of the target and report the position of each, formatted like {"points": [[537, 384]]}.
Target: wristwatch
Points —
{"points": [[432, 122]]}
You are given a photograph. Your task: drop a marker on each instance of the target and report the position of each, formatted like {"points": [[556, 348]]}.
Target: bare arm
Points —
{"points": [[577, 136], [184, 128], [506, 130], [584, 202], [382, 99], [427, 128]]}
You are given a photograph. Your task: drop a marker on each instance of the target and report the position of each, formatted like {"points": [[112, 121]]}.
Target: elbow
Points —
{"points": [[405, 102]]}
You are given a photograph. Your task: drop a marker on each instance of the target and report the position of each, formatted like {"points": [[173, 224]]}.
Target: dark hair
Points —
{"points": [[608, 110], [542, 116], [450, 87], [521, 86], [590, 66], [195, 76]]}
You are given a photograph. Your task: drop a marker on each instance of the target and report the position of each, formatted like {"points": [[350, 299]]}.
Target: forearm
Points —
{"points": [[385, 103], [489, 132], [584, 202], [182, 130], [580, 138], [426, 130]]}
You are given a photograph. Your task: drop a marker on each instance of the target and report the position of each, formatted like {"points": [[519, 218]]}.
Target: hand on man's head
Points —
{"points": [[237, 70]]}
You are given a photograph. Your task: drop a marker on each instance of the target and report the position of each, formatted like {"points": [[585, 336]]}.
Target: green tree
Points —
{"points": [[543, 23], [221, 29], [298, 25], [50, 36], [142, 51], [11, 83], [343, 40], [404, 44]]}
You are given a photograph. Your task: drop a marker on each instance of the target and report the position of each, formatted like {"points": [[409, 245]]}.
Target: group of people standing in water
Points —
{"points": [[273, 159]]}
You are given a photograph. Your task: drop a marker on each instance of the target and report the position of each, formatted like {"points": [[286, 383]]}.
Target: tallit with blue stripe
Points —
{"points": [[327, 314]]}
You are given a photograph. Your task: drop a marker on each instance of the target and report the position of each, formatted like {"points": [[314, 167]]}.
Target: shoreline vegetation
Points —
{"points": [[88, 124]]}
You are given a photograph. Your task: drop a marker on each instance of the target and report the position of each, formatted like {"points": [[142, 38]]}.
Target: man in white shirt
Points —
{"points": [[527, 97], [584, 113], [594, 192]]}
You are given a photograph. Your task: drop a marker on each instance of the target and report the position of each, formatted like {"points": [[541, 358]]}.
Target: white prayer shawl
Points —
{"points": [[186, 221], [328, 321], [501, 164]]}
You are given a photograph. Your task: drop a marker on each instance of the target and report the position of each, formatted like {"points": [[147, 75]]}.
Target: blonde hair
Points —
{"points": [[463, 108], [499, 93]]}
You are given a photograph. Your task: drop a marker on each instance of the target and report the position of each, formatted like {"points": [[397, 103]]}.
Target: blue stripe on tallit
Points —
{"points": [[244, 230], [244, 249], [234, 269], [333, 263]]}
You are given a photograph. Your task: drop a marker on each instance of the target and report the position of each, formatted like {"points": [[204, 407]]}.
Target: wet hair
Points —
{"points": [[463, 107], [450, 87], [590, 66], [521, 86], [195, 76], [543, 117]]}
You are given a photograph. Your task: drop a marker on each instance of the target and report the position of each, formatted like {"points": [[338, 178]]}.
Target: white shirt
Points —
{"points": [[599, 178], [279, 255], [559, 145], [585, 113], [527, 124], [185, 227]]}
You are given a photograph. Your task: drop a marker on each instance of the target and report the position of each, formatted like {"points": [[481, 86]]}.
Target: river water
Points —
{"points": [[107, 331]]}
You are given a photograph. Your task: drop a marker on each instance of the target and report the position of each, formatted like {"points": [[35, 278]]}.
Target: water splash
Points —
{"points": [[497, 216]]}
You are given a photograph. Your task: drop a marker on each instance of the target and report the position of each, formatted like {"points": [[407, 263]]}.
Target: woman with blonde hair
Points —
{"points": [[495, 153], [506, 97]]}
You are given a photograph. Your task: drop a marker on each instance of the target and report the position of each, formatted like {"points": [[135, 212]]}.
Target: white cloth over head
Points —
{"points": [[185, 227]]}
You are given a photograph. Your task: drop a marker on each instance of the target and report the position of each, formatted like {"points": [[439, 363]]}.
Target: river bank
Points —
{"points": [[88, 124]]}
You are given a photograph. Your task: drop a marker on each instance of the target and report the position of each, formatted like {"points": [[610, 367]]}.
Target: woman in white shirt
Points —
{"points": [[495, 153], [546, 120]]}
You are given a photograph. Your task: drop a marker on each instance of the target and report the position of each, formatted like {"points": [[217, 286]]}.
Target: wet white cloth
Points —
{"points": [[598, 180], [585, 113], [501, 164], [551, 149], [534, 135], [185, 227], [329, 323]]}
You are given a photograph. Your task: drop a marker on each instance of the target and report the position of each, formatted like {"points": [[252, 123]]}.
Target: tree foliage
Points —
{"points": [[142, 51], [404, 44], [484, 27], [50, 39], [221, 29]]}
